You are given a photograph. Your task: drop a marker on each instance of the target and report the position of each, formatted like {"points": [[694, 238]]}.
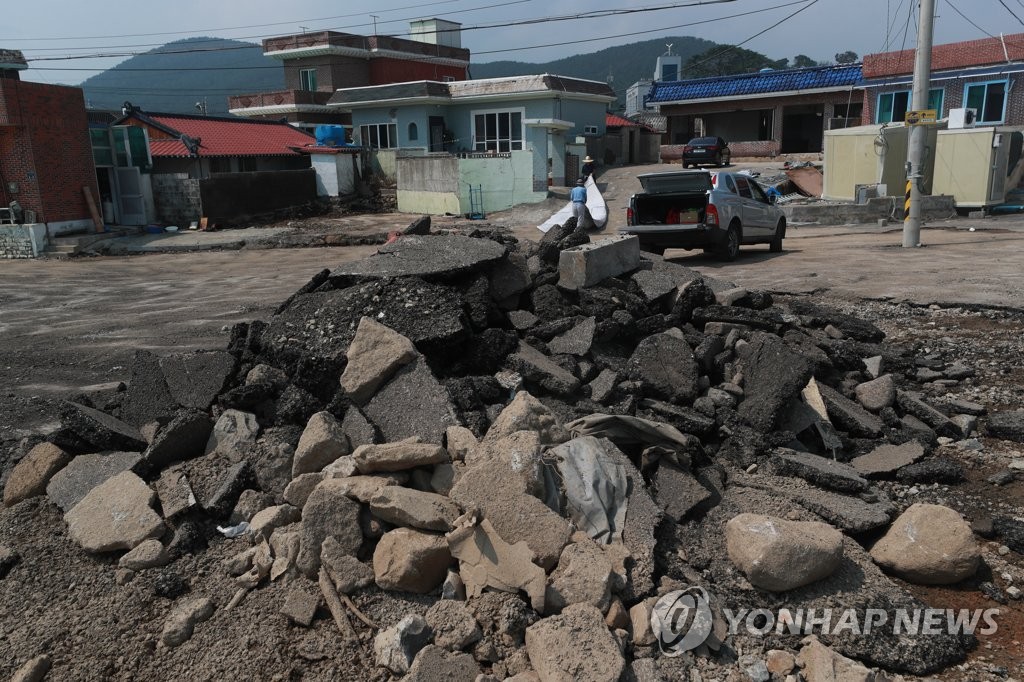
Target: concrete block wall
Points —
{"points": [[22, 241], [177, 198]]}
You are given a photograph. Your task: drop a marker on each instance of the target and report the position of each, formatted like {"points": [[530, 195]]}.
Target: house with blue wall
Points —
{"points": [[505, 136]]}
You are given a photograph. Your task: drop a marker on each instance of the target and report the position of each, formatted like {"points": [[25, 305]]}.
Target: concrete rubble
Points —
{"points": [[529, 444]]}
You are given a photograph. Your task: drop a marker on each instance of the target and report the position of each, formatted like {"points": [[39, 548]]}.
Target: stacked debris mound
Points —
{"points": [[544, 438]]}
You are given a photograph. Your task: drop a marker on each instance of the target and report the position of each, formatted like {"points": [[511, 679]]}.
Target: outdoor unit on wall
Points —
{"points": [[962, 118]]}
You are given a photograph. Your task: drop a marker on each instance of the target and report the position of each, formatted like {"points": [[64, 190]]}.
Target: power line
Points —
{"points": [[593, 14], [730, 48], [232, 28], [506, 50], [1012, 13], [968, 19], [263, 35], [906, 27], [645, 32]]}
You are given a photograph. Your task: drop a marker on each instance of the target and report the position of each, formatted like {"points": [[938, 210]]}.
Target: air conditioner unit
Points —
{"points": [[962, 118]]}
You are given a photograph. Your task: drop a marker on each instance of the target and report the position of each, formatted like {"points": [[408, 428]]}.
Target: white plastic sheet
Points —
{"points": [[596, 206]]}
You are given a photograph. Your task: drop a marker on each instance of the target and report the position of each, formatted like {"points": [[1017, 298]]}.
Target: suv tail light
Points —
{"points": [[629, 215], [712, 215]]}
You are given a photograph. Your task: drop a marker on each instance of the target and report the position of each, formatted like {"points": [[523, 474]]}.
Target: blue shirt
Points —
{"points": [[578, 194]]}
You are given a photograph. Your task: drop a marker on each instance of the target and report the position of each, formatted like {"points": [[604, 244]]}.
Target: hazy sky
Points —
{"points": [[57, 28]]}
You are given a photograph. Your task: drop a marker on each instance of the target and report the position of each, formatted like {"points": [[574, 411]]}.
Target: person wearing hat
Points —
{"points": [[578, 196], [588, 167]]}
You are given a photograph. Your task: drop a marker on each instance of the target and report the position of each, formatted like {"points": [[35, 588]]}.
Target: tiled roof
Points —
{"points": [[762, 82], [613, 121], [949, 56], [227, 137]]}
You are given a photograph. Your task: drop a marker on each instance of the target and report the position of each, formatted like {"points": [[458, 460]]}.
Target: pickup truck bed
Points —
{"points": [[695, 209]]}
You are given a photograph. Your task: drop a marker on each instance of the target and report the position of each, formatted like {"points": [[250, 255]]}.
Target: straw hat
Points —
{"points": [[588, 160]]}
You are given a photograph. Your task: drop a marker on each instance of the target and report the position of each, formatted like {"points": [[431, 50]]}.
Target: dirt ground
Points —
{"points": [[66, 324]]}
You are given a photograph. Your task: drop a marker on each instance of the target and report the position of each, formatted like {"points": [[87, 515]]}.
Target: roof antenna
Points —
{"points": [[669, 46]]}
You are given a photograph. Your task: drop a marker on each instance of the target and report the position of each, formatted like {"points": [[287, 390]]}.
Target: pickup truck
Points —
{"points": [[716, 212]]}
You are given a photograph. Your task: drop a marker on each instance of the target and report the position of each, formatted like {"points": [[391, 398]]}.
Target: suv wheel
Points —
{"points": [[775, 246], [731, 248]]}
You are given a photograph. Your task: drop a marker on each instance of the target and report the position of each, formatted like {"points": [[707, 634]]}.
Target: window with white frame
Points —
{"points": [[893, 106], [498, 131], [379, 135], [307, 79], [989, 99]]}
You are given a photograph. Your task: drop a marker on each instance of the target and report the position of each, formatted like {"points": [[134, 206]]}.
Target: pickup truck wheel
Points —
{"points": [[731, 249], [775, 246]]}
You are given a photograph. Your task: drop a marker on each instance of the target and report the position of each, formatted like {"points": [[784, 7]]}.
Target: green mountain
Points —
{"points": [[162, 80], [621, 65]]}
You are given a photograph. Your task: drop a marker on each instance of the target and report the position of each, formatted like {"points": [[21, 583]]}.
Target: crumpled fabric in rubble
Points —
{"points": [[596, 488]]}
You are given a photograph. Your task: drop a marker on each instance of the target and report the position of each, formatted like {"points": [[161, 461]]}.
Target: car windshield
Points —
{"points": [[704, 141]]}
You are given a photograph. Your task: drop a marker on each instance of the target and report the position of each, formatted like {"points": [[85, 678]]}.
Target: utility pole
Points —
{"points": [[918, 133], [375, 18]]}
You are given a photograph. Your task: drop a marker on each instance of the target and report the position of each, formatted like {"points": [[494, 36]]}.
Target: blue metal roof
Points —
{"points": [[760, 83]]}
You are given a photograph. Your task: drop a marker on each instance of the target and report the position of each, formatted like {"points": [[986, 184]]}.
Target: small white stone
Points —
{"points": [[1004, 550], [752, 468], [1013, 592], [914, 491]]}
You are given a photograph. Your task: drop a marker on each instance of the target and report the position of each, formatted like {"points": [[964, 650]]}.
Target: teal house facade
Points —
{"points": [[508, 137]]}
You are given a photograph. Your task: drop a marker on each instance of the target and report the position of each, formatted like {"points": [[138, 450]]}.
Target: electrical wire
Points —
{"points": [[511, 49], [237, 28], [731, 48], [593, 14], [967, 18], [1012, 13]]}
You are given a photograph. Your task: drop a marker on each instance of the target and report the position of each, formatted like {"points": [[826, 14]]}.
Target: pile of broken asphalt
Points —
{"points": [[468, 457]]}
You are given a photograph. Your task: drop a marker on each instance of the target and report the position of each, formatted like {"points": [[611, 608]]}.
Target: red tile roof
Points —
{"points": [[226, 137], [613, 121], [949, 56]]}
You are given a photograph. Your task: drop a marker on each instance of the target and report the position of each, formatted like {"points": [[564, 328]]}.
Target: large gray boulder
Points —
{"points": [[575, 645], [374, 355], [322, 441], [411, 561], [31, 475], [115, 515], [328, 512], [779, 555], [930, 545]]}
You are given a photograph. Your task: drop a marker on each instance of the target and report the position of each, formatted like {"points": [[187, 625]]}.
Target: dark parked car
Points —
{"points": [[713, 150]]}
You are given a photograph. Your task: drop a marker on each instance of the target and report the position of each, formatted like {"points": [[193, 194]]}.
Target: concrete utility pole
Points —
{"points": [[918, 133]]}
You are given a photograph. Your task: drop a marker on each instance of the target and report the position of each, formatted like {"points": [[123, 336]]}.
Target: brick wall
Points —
{"points": [[45, 149], [176, 198]]}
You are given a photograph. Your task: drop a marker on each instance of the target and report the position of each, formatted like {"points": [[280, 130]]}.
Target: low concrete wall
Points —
{"points": [[440, 184], [22, 241], [176, 198], [505, 181], [933, 208], [673, 153], [236, 196]]}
